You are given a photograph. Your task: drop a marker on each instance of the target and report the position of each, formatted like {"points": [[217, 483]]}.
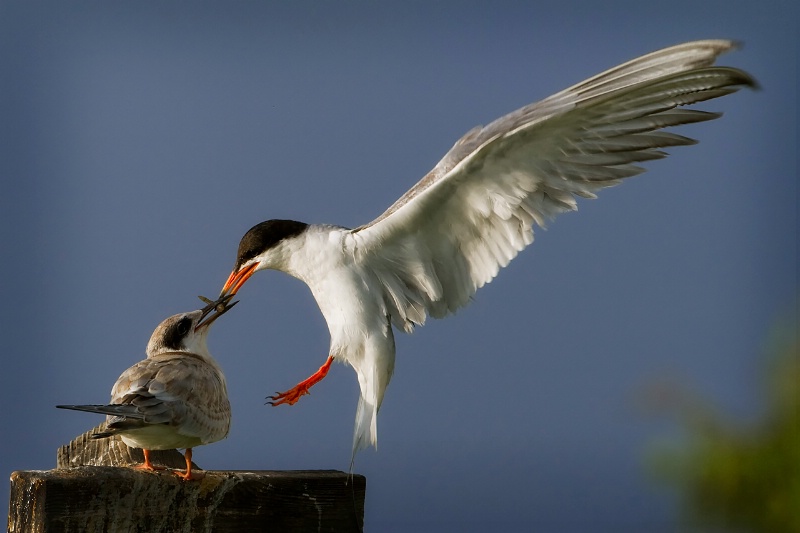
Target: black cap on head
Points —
{"points": [[264, 236]]}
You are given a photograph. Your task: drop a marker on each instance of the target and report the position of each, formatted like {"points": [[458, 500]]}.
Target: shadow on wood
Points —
{"points": [[93, 499]]}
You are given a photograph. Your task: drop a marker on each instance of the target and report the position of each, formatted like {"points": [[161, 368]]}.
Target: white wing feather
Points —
{"points": [[452, 232]]}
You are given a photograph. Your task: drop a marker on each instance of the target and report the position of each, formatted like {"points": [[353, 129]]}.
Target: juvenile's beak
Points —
{"points": [[237, 279], [213, 310]]}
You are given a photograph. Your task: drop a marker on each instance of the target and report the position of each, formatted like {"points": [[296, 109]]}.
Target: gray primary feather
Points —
{"points": [[450, 234]]}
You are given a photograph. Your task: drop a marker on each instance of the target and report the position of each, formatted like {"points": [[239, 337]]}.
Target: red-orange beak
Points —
{"points": [[237, 279]]}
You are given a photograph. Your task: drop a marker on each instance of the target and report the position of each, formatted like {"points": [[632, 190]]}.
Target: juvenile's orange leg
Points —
{"points": [[189, 475], [147, 465], [292, 395]]}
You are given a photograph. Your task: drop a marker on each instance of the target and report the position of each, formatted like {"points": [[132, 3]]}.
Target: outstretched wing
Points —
{"points": [[472, 214]]}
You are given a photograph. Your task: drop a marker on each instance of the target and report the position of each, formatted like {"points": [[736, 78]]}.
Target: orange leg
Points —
{"points": [[147, 465], [292, 395], [189, 475]]}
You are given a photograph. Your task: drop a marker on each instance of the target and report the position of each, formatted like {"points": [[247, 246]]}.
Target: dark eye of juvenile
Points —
{"points": [[177, 333], [184, 326]]}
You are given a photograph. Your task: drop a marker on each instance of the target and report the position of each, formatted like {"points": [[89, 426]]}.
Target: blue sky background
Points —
{"points": [[140, 140]]}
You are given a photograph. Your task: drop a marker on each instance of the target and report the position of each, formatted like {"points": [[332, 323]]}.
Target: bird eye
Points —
{"points": [[184, 326]]}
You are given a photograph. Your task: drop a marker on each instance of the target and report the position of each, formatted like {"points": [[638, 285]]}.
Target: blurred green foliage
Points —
{"points": [[737, 478]]}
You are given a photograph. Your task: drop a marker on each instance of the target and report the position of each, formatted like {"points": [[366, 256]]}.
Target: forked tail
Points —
{"points": [[373, 380], [365, 433]]}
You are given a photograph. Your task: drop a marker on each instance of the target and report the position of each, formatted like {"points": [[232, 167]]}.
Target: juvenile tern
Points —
{"points": [[449, 235], [176, 397]]}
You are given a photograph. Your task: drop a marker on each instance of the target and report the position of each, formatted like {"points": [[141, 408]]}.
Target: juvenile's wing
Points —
{"points": [[120, 417], [452, 232], [113, 410], [177, 389]]}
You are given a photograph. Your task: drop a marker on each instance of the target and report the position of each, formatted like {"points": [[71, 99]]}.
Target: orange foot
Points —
{"points": [[292, 395], [147, 465], [189, 475]]}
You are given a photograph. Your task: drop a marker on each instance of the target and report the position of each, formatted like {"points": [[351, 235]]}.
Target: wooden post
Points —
{"points": [[110, 499]]}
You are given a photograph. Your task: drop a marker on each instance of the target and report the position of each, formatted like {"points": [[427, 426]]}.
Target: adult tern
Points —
{"points": [[449, 235]]}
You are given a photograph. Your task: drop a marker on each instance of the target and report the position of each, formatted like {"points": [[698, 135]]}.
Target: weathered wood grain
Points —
{"points": [[111, 499], [95, 499], [94, 490]]}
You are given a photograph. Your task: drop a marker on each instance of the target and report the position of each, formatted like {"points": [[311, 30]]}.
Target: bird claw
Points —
{"points": [[149, 467], [301, 389], [189, 476], [289, 397]]}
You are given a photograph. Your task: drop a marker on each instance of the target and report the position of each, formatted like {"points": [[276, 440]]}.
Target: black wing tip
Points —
{"points": [[97, 409], [740, 77], [750, 81]]}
